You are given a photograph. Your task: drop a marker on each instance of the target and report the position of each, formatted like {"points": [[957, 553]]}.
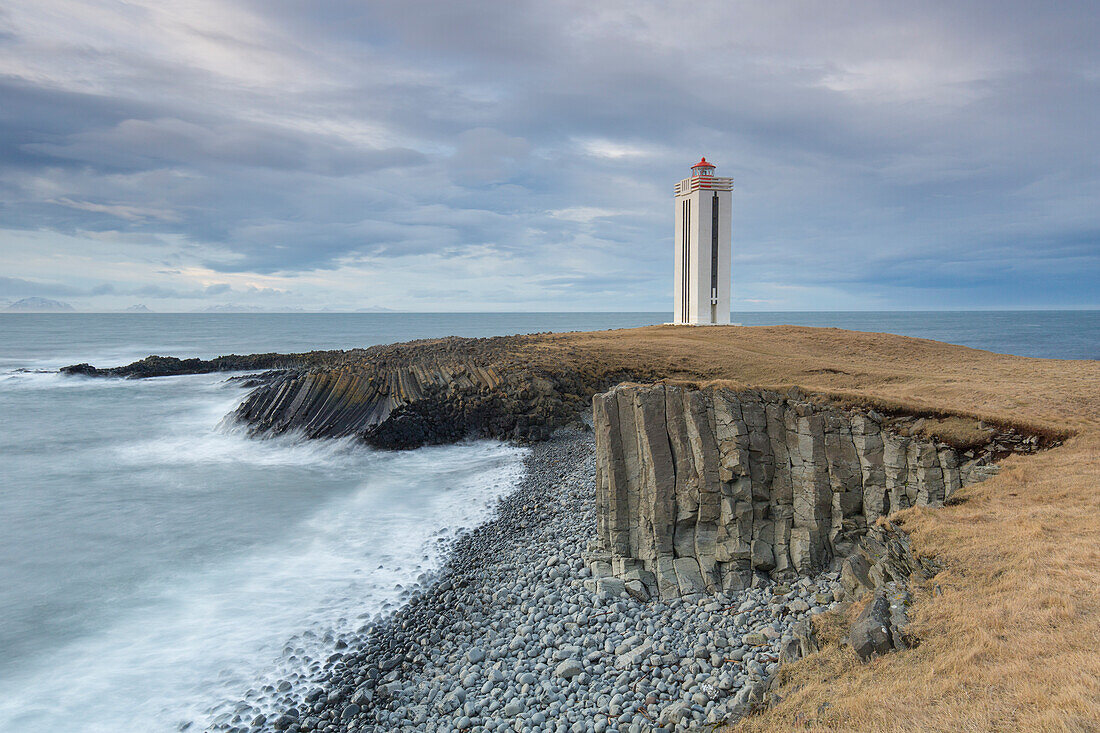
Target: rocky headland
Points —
{"points": [[400, 395], [703, 508]]}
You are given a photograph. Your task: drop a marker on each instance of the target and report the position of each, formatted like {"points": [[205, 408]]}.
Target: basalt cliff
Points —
{"points": [[409, 395], [697, 490], [403, 395]]}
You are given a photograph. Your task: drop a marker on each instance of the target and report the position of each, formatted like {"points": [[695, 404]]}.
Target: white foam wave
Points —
{"points": [[24, 379], [233, 446], [212, 626], [210, 633], [35, 380]]}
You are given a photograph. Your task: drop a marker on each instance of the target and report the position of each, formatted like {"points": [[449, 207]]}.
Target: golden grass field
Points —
{"points": [[1010, 637]]}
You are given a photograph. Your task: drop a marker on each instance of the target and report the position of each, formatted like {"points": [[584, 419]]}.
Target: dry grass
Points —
{"points": [[959, 432], [1010, 640], [892, 373]]}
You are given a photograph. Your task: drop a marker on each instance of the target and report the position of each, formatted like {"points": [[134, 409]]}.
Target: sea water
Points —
{"points": [[156, 563]]}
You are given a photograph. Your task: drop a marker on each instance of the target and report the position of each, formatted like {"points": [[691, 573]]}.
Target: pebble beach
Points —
{"points": [[515, 634]]}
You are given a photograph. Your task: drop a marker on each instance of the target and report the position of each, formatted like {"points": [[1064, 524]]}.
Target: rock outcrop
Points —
{"points": [[402, 395], [170, 366], [885, 566], [406, 406], [697, 490], [408, 395]]}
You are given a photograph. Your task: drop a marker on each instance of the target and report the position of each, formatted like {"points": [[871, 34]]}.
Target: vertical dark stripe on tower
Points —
{"points": [[714, 245], [685, 305]]}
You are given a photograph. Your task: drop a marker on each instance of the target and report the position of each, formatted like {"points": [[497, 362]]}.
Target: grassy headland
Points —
{"points": [[1009, 631]]}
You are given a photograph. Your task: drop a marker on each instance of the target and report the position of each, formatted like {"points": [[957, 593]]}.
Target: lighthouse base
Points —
{"points": [[700, 325]]}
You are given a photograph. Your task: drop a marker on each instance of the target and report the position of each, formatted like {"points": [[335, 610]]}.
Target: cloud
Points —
{"points": [[613, 149], [881, 155], [484, 155], [122, 211], [15, 287], [582, 214], [135, 144]]}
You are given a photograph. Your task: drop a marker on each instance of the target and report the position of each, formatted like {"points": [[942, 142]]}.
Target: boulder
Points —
{"points": [[790, 651], [568, 669], [634, 657], [754, 638], [870, 634], [362, 696], [637, 590], [854, 575], [611, 586], [748, 698], [881, 627], [675, 713]]}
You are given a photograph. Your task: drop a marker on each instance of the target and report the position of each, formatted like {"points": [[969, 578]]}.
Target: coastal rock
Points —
{"points": [[167, 366], [568, 669], [408, 395], [880, 627], [885, 566], [700, 490], [634, 657], [83, 369]]}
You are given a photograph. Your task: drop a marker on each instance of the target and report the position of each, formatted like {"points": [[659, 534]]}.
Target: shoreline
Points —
{"points": [[514, 633], [1010, 543]]}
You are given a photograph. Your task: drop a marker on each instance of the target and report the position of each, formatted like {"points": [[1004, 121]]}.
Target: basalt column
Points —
{"points": [[698, 489]]}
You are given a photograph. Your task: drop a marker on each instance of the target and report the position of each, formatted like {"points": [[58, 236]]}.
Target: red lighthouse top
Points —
{"points": [[703, 167]]}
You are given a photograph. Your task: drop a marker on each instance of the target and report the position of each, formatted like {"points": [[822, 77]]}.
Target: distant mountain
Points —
{"points": [[231, 308], [40, 305], [139, 308], [234, 308]]}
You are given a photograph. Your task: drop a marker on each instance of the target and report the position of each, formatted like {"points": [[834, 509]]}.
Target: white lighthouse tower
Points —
{"points": [[703, 247]]}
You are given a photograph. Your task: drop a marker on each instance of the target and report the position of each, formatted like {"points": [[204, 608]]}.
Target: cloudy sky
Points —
{"points": [[520, 155]]}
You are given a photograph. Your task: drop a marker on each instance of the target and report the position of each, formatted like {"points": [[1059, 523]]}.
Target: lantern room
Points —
{"points": [[702, 168]]}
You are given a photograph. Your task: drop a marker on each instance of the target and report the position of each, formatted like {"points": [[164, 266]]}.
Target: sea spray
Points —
{"points": [[179, 564]]}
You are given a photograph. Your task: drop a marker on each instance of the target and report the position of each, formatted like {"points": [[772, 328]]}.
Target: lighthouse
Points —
{"points": [[702, 269]]}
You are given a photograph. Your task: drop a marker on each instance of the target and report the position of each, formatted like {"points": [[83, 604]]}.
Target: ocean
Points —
{"points": [[156, 563]]}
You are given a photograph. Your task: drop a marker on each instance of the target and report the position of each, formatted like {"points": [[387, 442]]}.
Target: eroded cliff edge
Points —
{"points": [[439, 390], [408, 395], [698, 489]]}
